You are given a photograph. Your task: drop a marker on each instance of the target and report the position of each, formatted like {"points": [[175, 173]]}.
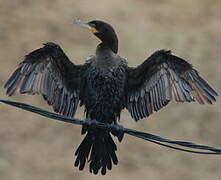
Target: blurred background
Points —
{"points": [[33, 147]]}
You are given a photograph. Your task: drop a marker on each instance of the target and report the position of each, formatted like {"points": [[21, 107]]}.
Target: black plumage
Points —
{"points": [[105, 85]]}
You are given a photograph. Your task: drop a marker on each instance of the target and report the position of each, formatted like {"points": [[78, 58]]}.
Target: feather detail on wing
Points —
{"points": [[48, 71], [161, 78]]}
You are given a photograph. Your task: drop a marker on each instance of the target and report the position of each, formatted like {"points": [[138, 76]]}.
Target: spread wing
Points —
{"points": [[49, 72], [161, 78]]}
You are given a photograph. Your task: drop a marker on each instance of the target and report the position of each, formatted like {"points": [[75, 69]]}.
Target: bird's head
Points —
{"points": [[103, 31]]}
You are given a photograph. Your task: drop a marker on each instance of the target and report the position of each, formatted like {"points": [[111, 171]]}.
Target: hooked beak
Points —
{"points": [[86, 25]]}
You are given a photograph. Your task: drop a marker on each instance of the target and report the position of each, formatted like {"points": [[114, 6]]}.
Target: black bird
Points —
{"points": [[105, 85]]}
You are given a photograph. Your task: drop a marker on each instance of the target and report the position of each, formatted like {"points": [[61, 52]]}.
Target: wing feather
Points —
{"points": [[48, 71], [161, 78]]}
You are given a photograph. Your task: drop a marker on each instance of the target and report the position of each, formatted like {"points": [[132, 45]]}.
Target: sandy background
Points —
{"points": [[33, 147]]}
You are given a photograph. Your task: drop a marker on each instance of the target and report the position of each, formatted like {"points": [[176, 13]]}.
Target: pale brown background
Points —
{"points": [[32, 147]]}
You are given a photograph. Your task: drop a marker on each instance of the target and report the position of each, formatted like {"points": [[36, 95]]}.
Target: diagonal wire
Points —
{"points": [[111, 127]]}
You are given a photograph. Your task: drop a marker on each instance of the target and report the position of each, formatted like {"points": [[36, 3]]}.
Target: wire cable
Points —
{"points": [[169, 143]]}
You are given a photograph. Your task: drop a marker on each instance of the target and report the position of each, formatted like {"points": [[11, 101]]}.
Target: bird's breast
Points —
{"points": [[104, 92]]}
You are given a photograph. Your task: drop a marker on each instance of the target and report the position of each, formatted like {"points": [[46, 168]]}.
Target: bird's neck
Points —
{"points": [[109, 41], [112, 44], [104, 50]]}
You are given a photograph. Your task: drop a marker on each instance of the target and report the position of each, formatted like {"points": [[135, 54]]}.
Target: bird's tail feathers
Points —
{"points": [[98, 148]]}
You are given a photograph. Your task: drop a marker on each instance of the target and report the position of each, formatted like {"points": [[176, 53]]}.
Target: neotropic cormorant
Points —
{"points": [[105, 85]]}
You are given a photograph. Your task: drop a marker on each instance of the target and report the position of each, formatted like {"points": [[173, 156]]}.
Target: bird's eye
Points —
{"points": [[92, 25]]}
